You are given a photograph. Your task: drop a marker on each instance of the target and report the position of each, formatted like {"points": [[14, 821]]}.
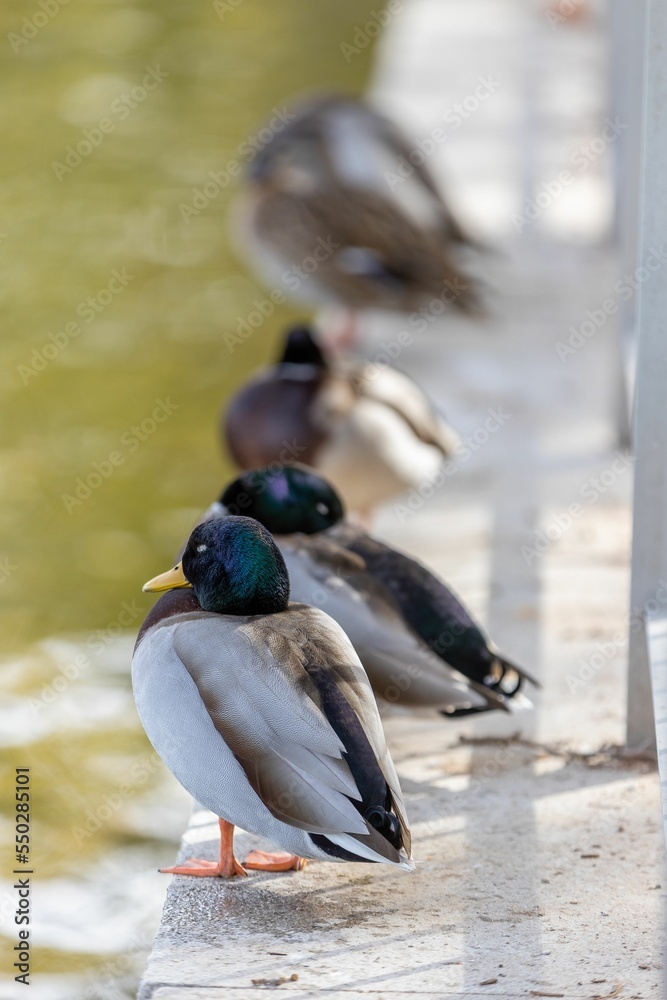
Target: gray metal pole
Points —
{"points": [[627, 22], [649, 547]]}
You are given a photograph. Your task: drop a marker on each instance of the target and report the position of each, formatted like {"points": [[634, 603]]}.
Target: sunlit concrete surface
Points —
{"points": [[520, 93], [539, 844]]}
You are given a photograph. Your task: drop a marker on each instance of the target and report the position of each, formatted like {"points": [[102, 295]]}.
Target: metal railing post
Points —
{"points": [[649, 546]]}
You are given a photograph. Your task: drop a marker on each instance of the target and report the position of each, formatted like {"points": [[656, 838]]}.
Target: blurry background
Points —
{"points": [[115, 231], [69, 573]]}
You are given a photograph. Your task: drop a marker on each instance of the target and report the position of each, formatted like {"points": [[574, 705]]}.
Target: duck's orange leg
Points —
{"points": [[340, 329], [278, 861], [225, 867]]}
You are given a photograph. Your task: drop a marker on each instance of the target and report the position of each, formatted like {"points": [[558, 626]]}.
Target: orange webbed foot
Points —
{"points": [[279, 861], [210, 869]]}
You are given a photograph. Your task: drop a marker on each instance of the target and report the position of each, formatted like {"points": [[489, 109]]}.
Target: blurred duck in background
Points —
{"points": [[262, 710], [368, 427], [342, 210], [418, 643]]}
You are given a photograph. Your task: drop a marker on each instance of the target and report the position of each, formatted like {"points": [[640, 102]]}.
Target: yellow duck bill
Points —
{"points": [[173, 579]]}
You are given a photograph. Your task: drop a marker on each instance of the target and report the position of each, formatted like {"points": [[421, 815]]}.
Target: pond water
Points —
{"points": [[119, 282]]}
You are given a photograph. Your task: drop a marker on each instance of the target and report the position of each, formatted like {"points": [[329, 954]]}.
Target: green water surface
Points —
{"points": [[115, 301]]}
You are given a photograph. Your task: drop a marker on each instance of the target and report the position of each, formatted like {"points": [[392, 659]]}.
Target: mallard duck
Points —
{"points": [[262, 710], [419, 644], [341, 209], [369, 428]]}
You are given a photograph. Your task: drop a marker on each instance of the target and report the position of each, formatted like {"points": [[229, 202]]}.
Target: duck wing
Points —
{"points": [[345, 696], [401, 667], [391, 387], [369, 150], [435, 613], [369, 249]]}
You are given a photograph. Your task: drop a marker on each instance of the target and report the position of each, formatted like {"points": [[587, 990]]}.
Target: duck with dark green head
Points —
{"points": [[262, 710], [419, 644]]}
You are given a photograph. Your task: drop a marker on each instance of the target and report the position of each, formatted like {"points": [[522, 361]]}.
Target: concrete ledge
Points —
{"points": [[537, 877]]}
